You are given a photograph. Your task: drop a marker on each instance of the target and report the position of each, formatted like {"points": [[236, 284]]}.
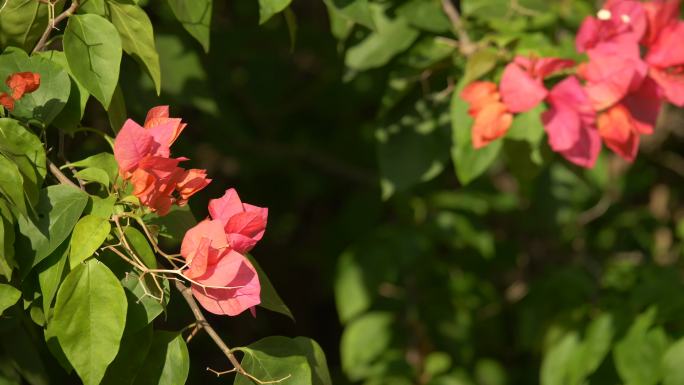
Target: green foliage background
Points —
{"points": [[410, 258]]}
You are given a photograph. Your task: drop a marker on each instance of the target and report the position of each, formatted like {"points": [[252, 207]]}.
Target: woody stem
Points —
{"points": [[466, 46], [46, 34], [203, 324]]}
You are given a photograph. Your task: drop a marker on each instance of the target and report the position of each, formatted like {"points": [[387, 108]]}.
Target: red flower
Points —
{"points": [[571, 123], [19, 83], [522, 86], [666, 60], [223, 279], [492, 118], [143, 157], [618, 22]]}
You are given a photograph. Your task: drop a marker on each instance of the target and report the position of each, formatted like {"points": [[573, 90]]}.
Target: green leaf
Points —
{"points": [[638, 355], [167, 362], [673, 371], [195, 15], [70, 116], [51, 272], [351, 295], [93, 50], [269, 296], [137, 38], [25, 356], [7, 262], [142, 308], [23, 22], [469, 162], [268, 8], [25, 149], [93, 174], [54, 347], [557, 360], [132, 353], [480, 63], [426, 15], [174, 225], [275, 359], [89, 234], [58, 210], [45, 103], [104, 161], [413, 148], [97, 7], [141, 246], [11, 184], [317, 362], [117, 110], [89, 319], [363, 341], [356, 11], [102, 207], [391, 37], [9, 295]]}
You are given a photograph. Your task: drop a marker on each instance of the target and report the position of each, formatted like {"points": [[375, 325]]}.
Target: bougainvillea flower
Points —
{"points": [[6, 101], [244, 223], [223, 280], [609, 77], [666, 60], [192, 181], [492, 118], [21, 83], [623, 20], [660, 14], [154, 182], [522, 87], [570, 123]]}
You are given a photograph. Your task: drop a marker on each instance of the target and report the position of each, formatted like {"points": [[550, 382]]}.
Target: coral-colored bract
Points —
{"points": [[19, 83], [224, 281], [492, 118], [636, 62], [142, 153]]}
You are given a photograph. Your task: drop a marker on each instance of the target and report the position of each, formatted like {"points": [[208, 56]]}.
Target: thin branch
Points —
{"points": [[46, 34], [202, 323], [59, 175], [465, 44]]}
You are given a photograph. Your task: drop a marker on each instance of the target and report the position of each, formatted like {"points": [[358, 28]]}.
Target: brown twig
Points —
{"points": [[203, 324], [46, 34], [59, 175], [466, 46]]}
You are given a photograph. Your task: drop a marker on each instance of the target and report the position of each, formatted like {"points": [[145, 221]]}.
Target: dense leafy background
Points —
{"points": [[406, 267]]}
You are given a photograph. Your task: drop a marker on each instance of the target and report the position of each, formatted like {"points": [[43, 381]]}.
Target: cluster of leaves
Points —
{"points": [[71, 304]]}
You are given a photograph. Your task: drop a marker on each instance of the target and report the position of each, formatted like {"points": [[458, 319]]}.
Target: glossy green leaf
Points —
{"points": [[25, 149], [22, 22], [356, 11], [9, 295], [7, 235], [469, 162], [45, 103], [269, 296], [316, 358], [101, 207], [89, 234], [427, 15], [391, 37], [70, 116], [195, 15], [51, 272], [11, 184], [363, 341], [135, 345], [479, 64], [638, 354], [275, 359], [95, 38], [268, 8], [89, 319], [137, 38], [58, 210], [143, 308], [93, 175], [167, 361], [673, 371], [104, 161], [141, 246]]}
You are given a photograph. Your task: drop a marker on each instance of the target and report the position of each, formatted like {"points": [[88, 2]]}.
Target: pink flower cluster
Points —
{"points": [[635, 63], [143, 155], [223, 279]]}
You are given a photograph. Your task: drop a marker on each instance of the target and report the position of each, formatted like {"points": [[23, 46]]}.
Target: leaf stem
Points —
{"points": [[466, 46]]}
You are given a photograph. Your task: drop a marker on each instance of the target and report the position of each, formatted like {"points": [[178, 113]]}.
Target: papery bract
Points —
{"points": [[610, 77], [660, 15], [666, 60], [619, 20], [570, 123], [618, 131], [492, 118], [22, 82], [522, 86], [245, 224], [6, 101]]}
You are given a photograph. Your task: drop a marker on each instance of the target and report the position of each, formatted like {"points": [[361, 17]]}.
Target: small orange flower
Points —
{"points": [[492, 118]]}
